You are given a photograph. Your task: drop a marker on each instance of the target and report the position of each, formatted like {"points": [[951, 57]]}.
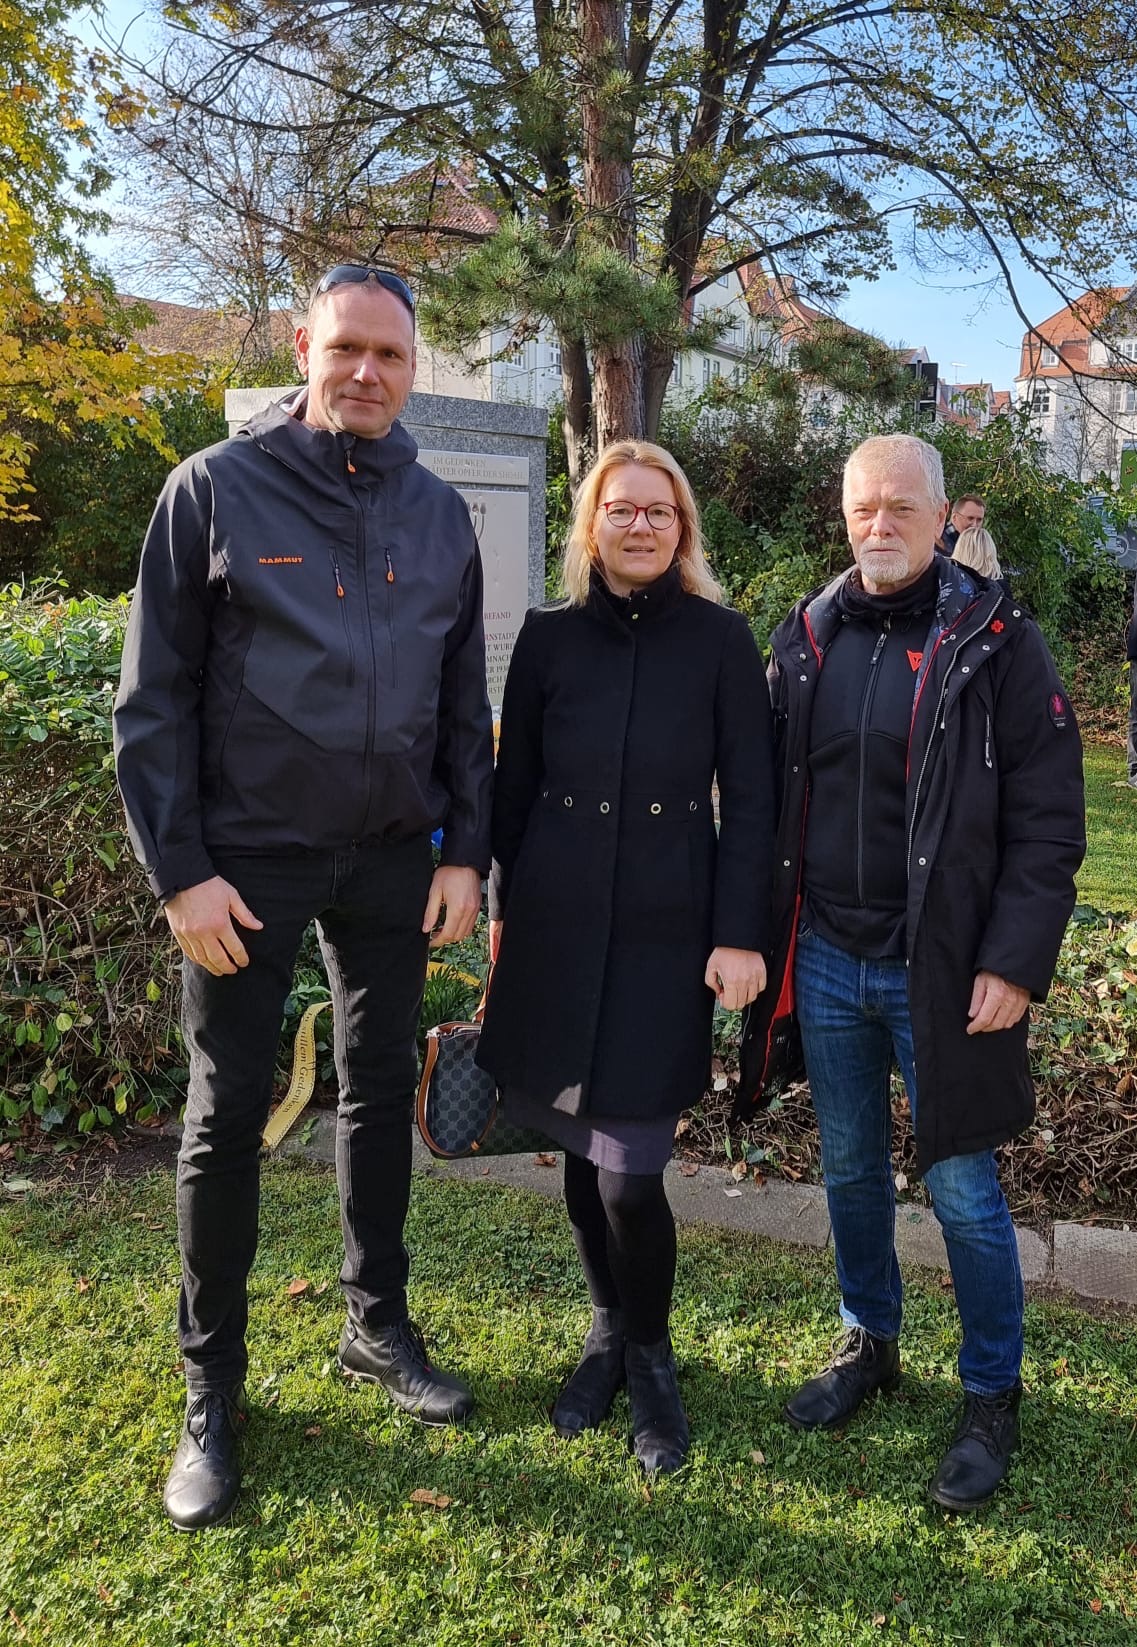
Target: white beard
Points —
{"points": [[885, 566]]}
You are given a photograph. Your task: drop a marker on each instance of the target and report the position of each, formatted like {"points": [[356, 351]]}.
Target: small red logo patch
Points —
{"points": [[915, 659], [998, 626], [1057, 708]]}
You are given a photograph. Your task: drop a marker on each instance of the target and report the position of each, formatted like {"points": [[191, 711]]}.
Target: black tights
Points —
{"points": [[625, 1235]]}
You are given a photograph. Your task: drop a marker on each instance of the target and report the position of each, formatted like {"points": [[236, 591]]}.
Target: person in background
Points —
{"points": [[931, 824], [619, 916], [968, 510], [976, 548]]}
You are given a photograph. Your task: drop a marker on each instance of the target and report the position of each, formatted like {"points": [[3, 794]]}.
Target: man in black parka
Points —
{"points": [[303, 701], [931, 824]]}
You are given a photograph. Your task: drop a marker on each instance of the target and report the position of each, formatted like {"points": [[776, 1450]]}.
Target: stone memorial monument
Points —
{"points": [[494, 454]]}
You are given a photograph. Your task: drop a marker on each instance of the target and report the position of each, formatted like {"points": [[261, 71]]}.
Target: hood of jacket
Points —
{"points": [[322, 457]]}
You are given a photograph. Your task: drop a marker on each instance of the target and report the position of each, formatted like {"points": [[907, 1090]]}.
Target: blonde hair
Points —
{"points": [[581, 553], [976, 548]]}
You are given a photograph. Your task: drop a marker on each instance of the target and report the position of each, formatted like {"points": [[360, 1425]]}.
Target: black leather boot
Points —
{"points": [[980, 1454], [588, 1393], [660, 1436], [861, 1365], [396, 1359], [201, 1488]]}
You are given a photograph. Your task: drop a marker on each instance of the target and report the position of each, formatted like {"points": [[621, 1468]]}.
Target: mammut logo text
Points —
{"points": [[280, 560]]}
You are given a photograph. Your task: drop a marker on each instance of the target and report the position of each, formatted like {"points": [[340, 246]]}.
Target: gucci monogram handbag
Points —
{"points": [[458, 1111]]}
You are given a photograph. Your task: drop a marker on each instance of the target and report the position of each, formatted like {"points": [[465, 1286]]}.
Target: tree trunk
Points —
{"points": [[578, 406], [617, 393], [608, 124], [659, 363]]}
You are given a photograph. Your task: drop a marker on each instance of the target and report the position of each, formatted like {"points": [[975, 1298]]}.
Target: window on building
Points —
{"points": [[555, 357], [711, 370], [677, 369], [1128, 397], [1040, 400], [1127, 348], [1049, 356]]}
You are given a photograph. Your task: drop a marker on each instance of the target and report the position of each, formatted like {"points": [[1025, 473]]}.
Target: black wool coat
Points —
{"points": [[995, 819], [608, 873]]}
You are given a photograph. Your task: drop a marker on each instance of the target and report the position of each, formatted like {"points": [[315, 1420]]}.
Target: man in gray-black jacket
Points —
{"points": [[931, 824], [303, 701]]}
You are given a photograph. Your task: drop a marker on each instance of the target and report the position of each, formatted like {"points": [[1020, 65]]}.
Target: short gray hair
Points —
{"points": [[889, 452]]}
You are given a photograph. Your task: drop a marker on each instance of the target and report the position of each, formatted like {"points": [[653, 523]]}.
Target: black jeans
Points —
{"points": [[1131, 739], [368, 903]]}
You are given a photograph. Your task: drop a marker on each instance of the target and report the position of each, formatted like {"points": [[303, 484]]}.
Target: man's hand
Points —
{"points": [[201, 919], [736, 976], [995, 1004], [460, 891]]}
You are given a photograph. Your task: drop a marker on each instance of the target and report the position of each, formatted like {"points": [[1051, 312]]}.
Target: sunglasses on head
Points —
{"points": [[357, 274]]}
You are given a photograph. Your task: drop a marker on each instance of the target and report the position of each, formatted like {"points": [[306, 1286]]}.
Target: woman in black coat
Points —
{"points": [[618, 913]]}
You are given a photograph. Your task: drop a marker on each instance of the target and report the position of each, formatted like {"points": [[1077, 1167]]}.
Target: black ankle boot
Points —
{"points": [[201, 1488], [861, 1365], [980, 1454], [659, 1423], [395, 1358], [587, 1395]]}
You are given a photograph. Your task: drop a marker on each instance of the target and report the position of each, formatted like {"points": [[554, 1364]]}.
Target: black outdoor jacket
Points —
{"points": [[304, 662], [995, 825], [609, 875]]}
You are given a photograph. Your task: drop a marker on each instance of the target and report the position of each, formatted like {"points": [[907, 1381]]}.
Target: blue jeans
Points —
{"points": [[854, 1020]]}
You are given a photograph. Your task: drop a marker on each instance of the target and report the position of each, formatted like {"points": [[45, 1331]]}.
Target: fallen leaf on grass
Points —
{"points": [[314, 1429], [879, 1619], [688, 1168], [17, 1186], [1095, 1606], [681, 1126], [738, 1170], [104, 1593], [322, 1288], [428, 1495], [83, 1284], [946, 1282], [545, 1160], [757, 1458], [297, 1287]]}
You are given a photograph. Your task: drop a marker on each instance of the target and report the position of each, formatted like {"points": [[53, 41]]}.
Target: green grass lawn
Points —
{"points": [[1108, 878], [767, 1537]]}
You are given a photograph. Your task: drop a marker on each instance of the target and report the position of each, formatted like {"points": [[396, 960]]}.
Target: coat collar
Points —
{"points": [[958, 590], [643, 606]]}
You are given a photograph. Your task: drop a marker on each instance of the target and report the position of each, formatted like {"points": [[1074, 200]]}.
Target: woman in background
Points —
{"points": [[976, 548], [618, 914]]}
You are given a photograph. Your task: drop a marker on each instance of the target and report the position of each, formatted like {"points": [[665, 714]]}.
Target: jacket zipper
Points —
{"points": [[343, 615], [361, 559], [866, 706], [391, 617], [938, 726]]}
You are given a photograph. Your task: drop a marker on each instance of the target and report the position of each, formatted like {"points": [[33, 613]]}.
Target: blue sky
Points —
{"points": [[971, 331]]}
